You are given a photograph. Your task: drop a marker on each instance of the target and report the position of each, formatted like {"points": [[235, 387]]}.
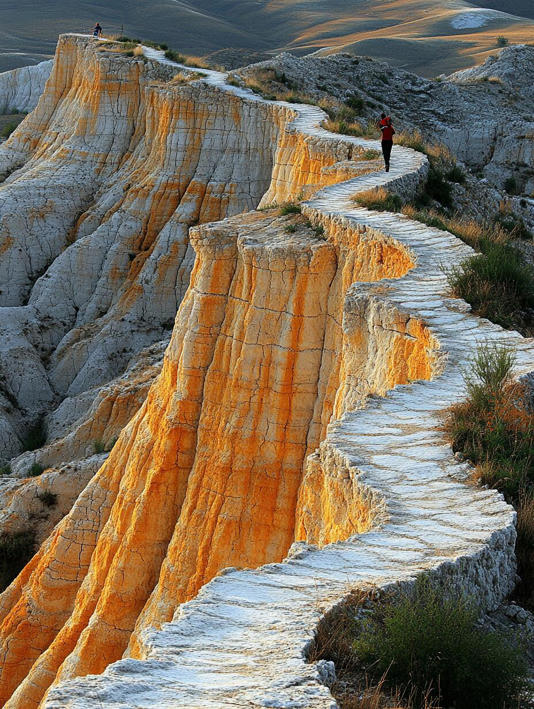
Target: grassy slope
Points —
{"points": [[414, 33]]}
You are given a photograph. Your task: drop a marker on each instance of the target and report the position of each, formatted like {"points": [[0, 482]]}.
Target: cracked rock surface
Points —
{"points": [[290, 448]]}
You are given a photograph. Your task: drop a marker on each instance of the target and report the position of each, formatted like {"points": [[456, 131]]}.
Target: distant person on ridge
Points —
{"points": [[386, 126], [97, 30]]}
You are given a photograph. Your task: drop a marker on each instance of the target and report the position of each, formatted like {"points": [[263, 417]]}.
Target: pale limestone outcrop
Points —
{"points": [[281, 338], [20, 89]]}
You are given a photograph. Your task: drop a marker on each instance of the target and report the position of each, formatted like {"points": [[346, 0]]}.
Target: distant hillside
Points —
{"points": [[419, 35]]}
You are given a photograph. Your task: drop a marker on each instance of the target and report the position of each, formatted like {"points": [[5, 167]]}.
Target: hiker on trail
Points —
{"points": [[97, 30], [386, 126]]}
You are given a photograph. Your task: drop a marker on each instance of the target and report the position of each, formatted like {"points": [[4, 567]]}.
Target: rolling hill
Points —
{"points": [[419, 35]]}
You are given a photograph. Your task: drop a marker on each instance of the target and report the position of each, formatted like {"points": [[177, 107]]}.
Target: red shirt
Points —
{"points": [[387, 129]]}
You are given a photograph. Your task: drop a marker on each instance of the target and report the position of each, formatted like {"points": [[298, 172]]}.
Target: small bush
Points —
{"points": [[98, 447], [49, 499], [511, 186], [498, 285], [502, 41], [291, 228], [36, 437], [379, 200], [5, 469], [436, 188], [174, 56], [356, 103], [290, 208], [429, 640], [456, 174], [35, 470], [8, 129], [15, 552], [512, 224]]}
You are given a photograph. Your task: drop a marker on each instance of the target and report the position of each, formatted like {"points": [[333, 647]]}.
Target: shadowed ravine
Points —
{"points": [[254, 436]]}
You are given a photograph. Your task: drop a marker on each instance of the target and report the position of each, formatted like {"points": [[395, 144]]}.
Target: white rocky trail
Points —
{"points": [[242, 641]]}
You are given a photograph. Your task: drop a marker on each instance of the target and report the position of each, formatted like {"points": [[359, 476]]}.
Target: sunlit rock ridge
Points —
{"points": [[288, 451]]}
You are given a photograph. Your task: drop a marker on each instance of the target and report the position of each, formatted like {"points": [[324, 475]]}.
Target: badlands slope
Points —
{"points": [[422, 36], [289, 447]]}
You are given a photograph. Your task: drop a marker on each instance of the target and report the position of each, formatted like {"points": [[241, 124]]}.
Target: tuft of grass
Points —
{"points": [[49, 499], [370, 155], [290, 208], [511, 223], [291, 228], [15, 551], [494, 428], [498, 285], [138, 51], [427, 640], [35, 470], [174, 56], [379, 200]]}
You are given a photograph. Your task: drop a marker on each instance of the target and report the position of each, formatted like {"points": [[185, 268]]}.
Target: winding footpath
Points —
{"points": [[242, 641]]}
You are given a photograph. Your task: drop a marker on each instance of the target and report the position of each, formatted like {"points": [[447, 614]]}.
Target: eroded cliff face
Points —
{"points": [[211, 472], [248, 385]]}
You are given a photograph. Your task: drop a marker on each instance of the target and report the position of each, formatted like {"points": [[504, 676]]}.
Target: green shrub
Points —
{"points": [[8, 129], [36, 437], [436, 188], [175, 56], [49, 499], [513, 225], [15, 551], [428, 640], [502, 41], [356, 103], [370, 155], [290, 208], [98, 447], [35, 470], [511, 186], [456, 174], [291, 228], [498, 285]]}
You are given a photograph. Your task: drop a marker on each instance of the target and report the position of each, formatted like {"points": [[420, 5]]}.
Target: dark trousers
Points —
{"points": [[386, 150]]}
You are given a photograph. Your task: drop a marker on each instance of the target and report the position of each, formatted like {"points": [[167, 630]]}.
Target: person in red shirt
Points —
{"points": [[386, 127]]}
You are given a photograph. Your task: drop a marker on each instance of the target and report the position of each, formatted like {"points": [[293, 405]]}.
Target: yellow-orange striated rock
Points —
{"points": [[207, 474]]}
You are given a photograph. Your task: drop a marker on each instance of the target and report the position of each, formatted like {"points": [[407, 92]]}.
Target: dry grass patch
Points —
{"points": [[379, 200]]}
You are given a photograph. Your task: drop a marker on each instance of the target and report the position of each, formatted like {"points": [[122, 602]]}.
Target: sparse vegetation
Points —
{"points": [[416, 650], [49, 499], [379, 200], [174, 56], [5, 469], [35, 470], [6, 130], [98, 447], [290, 208], [511, 186], [15, 551], [291, 228], [36, 437], [494, 428], [502, 41], [431, 643], [498, 285], [370, 155]]}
